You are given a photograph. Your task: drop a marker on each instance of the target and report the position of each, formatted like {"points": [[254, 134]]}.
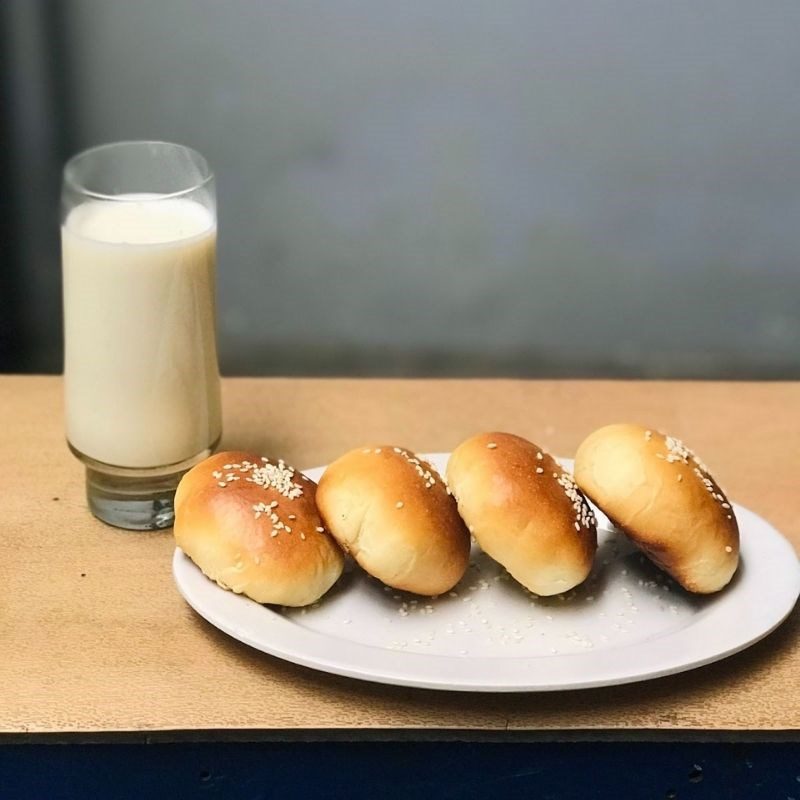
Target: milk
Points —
{"points": [[140, 367]]}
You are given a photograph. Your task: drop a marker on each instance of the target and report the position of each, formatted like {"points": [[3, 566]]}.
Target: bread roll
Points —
{"points": [[391, 511], [252, 526], [657, 492], [524, 510]]}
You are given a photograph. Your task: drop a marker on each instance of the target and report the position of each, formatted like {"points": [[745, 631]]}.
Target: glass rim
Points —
{"points": [[76, 185]]}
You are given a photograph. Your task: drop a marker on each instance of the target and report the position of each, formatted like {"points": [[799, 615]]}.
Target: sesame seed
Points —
{"points": [[278, 477], [539, 456], [583, 514], [287, 529], [680, 477], [274, 534], [221, 484], [302, 535], [377, 450], [366, 450], [428, 475], [399, 504], [320, 529], [728, 548], [492, 445], [726, 505], [292, 516], [539, 470], [677, 450]]}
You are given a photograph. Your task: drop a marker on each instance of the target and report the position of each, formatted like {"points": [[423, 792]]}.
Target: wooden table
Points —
{"points": [[97, 643]]}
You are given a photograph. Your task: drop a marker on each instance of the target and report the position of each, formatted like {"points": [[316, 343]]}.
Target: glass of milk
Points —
{"points": [[142, 392]]}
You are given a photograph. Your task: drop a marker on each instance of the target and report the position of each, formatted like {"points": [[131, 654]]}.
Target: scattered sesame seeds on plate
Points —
{"points": [[628, 622]]}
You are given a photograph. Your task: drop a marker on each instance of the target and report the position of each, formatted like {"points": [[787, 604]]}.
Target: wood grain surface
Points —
{"points": [[95, 639]]}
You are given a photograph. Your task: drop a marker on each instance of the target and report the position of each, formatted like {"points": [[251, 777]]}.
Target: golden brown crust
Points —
{"points": [[524, 510], [390, 510], [252, 526], [657, 492]]}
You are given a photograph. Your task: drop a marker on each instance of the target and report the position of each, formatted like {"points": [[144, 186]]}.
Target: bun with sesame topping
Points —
{"points": [[252, 525], [524, 510], [391, 511], [655, 490]]}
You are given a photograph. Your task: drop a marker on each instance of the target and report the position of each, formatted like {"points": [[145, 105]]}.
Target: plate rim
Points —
{"points": [[239, 617]]}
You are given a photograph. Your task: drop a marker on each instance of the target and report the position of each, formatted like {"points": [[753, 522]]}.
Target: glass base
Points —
{"points": [[132, 498]]}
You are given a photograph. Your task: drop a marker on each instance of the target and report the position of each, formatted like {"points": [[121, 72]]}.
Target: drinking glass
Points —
{"points": [[141, 381]]}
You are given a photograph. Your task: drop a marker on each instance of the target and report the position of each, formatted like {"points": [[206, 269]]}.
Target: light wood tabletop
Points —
{"points": [[95, 639]]}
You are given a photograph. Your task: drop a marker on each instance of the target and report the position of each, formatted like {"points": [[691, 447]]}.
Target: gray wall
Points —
{"points": [[449, 186]]}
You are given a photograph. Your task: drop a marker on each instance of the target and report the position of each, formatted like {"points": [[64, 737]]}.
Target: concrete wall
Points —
{"points": [[451, 186]]}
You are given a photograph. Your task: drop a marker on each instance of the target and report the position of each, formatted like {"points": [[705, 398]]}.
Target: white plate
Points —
{"points": [[627, 623]]}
